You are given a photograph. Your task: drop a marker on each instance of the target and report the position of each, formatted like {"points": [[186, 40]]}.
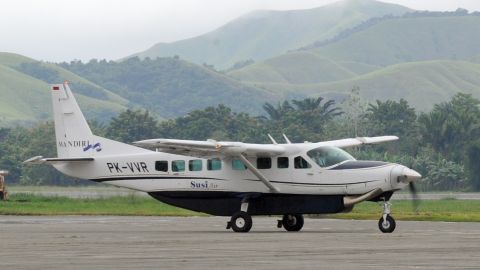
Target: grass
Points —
{"points": [[134, 205], [131, 205], [450, 210]]}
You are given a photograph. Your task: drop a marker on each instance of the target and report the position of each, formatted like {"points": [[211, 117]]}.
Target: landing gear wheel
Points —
{"points": [[241, 222], [388, 225], [292, 223]]}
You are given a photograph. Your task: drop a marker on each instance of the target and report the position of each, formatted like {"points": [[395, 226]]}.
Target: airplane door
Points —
{"points": [[302, 170]]}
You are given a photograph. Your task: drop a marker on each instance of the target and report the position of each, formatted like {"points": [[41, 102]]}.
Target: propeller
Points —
{"points": [[412, 188], [409, 176], [415, 198]]}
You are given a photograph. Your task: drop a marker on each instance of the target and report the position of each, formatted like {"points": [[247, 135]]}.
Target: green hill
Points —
{"points": [[263, 34], [388, 41], [25, 98], [408, 39], [300, 67], [422, 84]]}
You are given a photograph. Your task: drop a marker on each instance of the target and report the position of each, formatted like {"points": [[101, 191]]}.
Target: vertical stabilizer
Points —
{"points": [[73, 135], [71, 129]]}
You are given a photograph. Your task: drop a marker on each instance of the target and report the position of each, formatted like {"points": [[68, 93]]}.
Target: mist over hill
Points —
{"points": [[263, 34]]}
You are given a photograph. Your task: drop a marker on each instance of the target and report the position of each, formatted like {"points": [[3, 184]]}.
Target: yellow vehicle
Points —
{"points": [[3, 188]]}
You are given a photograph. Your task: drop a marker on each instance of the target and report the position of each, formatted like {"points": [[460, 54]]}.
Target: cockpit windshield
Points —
{"points": [[326, 156]]}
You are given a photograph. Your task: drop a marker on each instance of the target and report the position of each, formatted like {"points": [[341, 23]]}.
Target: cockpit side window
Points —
{"points": [[327, 156], [301, 163]]}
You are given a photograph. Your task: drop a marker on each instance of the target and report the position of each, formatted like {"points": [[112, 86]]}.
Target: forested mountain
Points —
{"points": [[168, 87], [25, 96], [263, 34], [171, 87]]}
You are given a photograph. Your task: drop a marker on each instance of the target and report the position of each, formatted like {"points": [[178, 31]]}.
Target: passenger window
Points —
{"points": [[301, 163], [178, 166], [282, 162], [161, 166], [238, 165], [195, 165], [214, 164], [264, 163]]}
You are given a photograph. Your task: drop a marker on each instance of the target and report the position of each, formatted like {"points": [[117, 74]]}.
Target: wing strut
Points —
{"points": [[258, 174]]}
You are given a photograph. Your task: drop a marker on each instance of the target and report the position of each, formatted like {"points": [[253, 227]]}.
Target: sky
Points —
{"points": [[60, 30]]}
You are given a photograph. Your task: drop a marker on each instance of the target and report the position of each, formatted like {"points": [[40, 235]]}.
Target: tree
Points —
{"points": [[131, 126], [355, 108], [451, 126], [218, 123], [277, 113], [473, 164], [304, 120], [392, 117]]}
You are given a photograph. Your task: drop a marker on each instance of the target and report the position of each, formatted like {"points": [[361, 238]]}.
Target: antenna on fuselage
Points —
{"points": [[272, 139], [286, 138]]}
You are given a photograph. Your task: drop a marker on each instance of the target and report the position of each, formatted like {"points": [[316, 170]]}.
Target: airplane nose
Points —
{"points": [[408, 176], [401, 176]]}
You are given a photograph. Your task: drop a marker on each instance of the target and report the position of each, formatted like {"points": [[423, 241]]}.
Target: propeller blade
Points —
{"points": [[415, 198]]}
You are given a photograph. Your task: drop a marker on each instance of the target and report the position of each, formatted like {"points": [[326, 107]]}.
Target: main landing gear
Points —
{"points": [[241, 221], [291, 223], [386, 224]]}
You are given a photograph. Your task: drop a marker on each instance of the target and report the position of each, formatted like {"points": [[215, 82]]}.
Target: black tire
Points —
{"points": [[389, 225], [241, 222], [293, 223]]}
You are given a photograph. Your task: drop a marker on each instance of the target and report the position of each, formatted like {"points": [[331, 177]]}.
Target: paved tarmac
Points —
{"points": [[79, 242]]}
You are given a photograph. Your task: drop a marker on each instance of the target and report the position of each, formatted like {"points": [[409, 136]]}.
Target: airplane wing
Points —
{"points": [[359, 141], [211, 148], [42, 160]]}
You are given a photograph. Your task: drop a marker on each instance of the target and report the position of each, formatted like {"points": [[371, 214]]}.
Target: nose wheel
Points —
{"points": [[386, 224]]}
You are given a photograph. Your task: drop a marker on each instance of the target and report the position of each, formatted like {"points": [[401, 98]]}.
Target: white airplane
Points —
{"points": [[229, 178]]}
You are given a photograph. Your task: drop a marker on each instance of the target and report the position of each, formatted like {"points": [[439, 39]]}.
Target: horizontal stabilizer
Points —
{"points": [[42, 160]]}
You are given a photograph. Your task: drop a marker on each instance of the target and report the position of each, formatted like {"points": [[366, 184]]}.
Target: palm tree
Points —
{"points": [[276, 113], [325, 111]]}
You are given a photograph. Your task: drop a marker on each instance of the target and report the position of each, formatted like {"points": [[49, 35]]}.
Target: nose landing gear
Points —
{"points": [[386, 224]]}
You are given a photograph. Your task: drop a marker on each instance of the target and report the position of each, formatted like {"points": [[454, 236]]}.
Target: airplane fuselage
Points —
{"points": [[195, 184]]}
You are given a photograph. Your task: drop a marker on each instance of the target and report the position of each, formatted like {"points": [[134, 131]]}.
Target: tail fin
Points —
{"points": [[73, 135]]}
